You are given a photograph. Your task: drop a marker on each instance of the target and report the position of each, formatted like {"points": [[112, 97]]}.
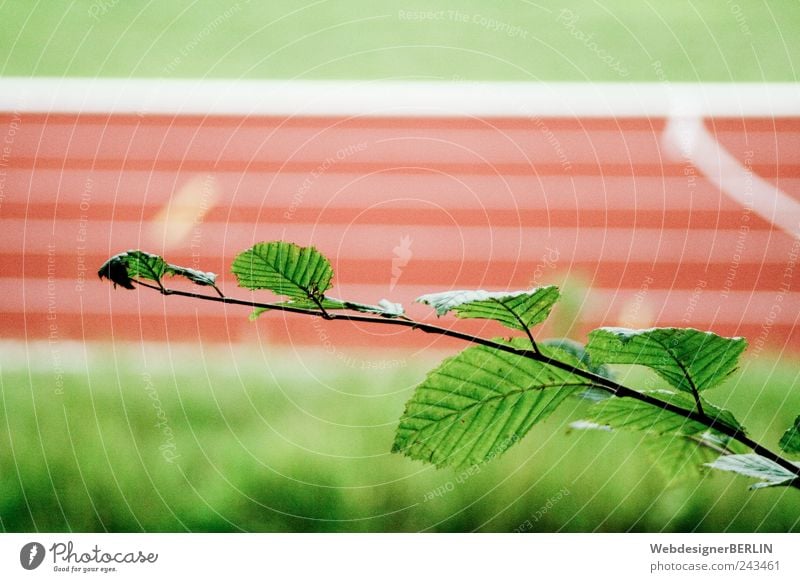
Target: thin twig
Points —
{"points": [[698, 402], [525, 328], [595, 379], [319, 304]]}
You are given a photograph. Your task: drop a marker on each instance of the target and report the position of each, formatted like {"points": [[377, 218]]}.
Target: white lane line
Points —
{"points": [[387, 98], [686, 135]]}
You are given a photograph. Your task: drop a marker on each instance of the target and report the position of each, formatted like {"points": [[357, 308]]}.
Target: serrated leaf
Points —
{"points": [[390, 308], [384, 308], [578, 350], [514, 309], [256, 313], [327, 303], [285, 269], [679, 457], [765, 484], [478, 403], [635, 415], [121, 268], [790, 441], [134, 263], [751, 465], [690, 360], [685, 457], [195, 276], [116, 271]]}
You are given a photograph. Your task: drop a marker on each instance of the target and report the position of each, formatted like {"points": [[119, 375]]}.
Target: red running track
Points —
{"points": [[636, 235]]}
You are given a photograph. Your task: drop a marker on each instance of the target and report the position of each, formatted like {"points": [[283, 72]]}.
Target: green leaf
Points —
{"points": [[751, 465], [285, 269], [680, 457], [384, 308], [514, 309], [195, 276], [115, 270], [790, 441], [690, 360], [121, 268], [327, 303], [256, 313], [635, 415], [679, 446], [578, 350], [683, 457], [476, 404]]}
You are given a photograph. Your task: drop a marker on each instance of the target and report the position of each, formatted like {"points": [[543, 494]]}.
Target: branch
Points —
{"points": [[597, 380]]}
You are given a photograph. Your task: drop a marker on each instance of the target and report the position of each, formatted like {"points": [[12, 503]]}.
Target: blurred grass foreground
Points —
{"points": [[127, 437]]}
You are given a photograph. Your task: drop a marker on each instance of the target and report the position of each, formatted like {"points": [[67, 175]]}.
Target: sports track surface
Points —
{"points": [[670, 210]]}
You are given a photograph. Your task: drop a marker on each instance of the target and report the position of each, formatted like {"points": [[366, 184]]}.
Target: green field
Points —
{"points": [[228, 439], [585, 40]]}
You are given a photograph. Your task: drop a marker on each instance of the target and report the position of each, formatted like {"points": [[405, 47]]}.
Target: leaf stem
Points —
{"points": [[525, 328], [698, 402], [597, 380], [322, 309]]}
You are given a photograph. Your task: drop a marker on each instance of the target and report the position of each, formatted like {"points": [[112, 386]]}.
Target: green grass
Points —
{"points": [[288, 441], [746, 40]]}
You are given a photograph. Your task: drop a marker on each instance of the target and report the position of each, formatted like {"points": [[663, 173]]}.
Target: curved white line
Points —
{"points": [[687, 137]]}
